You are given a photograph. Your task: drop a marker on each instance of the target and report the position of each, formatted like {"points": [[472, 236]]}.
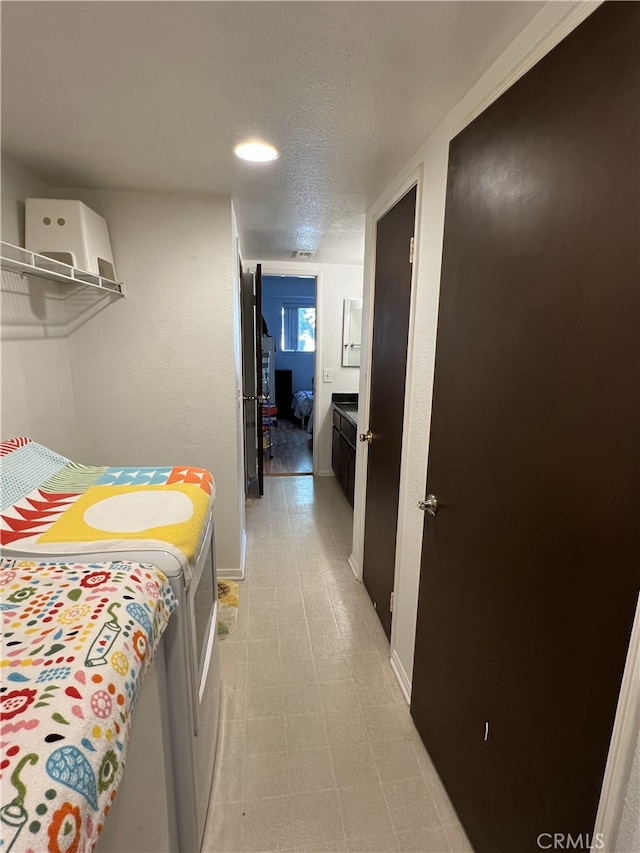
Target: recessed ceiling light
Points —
{"points": [[257, 152]]}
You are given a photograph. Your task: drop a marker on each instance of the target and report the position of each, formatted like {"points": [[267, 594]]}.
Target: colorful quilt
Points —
{"points": [[51, 505], [77, 641]]}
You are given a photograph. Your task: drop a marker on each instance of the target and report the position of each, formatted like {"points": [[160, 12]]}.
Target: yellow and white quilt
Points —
{"points": [[51, 505]]}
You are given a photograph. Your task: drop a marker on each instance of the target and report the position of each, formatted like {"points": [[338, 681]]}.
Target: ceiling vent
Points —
{"points": [[303, 255]]}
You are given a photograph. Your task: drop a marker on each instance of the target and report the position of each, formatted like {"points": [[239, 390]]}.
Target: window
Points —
{"points": [[298, 327]]}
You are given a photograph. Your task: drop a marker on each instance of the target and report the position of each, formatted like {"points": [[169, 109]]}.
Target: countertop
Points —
{"points": [[349, 410]]}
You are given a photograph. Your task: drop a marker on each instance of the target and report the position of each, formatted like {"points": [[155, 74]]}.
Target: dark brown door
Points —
{"points": [[530, 569], [391, 305], [250, 294], [260, 381]]}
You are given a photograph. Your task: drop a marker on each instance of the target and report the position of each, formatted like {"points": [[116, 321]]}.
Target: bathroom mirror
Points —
{"points": [[351, 329]]}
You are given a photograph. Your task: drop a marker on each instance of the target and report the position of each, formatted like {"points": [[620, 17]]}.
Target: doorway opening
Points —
{"points": [[288, 367]]}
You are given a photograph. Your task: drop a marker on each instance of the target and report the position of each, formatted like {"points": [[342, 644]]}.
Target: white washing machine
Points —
{"points": [[183, 696]]}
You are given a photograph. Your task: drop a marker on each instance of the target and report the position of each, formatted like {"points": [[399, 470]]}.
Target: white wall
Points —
{"points": [[429, 168], [152, 379], [155, 375], [335, 283], [37, 397], [236, 569]]}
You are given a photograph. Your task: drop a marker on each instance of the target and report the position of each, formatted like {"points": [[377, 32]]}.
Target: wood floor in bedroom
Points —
{"points": [[292, 450]]}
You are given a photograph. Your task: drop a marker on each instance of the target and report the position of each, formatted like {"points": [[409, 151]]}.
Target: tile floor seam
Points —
{"points": [[304, 605], [326, 593], [360, 706]]}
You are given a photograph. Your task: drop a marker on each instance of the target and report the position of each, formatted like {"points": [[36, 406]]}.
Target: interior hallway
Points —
{"points": [[317, 749]]}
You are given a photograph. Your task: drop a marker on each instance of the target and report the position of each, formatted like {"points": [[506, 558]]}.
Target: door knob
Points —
{"points": [[261, 398], [430, 504], [366, 436]]}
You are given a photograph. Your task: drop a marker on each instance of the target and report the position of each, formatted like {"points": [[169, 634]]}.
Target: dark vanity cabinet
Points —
{"points": [[343, 448]]}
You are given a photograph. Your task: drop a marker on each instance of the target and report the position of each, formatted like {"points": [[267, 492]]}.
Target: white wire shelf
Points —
{"points": [[17, 259]]}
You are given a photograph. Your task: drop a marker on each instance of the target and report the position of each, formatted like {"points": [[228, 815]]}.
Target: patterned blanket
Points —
{"points": [[77, 641], [51, 505]]}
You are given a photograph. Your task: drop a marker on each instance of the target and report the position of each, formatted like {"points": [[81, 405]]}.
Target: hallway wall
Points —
{"points": [[429, 168], [37, 391], [156, 377], [153, 379], [618, 807]]}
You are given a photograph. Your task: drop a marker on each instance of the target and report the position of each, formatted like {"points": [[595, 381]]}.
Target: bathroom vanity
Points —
{"points": [[343, 448]]}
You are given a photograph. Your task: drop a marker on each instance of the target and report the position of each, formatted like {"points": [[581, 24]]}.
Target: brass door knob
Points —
{"points": [[366, 436]]}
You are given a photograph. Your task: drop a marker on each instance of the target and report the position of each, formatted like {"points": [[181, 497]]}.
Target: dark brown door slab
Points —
{"points": [[530, 569], [392, 299], [259, 382], [251, 334]]}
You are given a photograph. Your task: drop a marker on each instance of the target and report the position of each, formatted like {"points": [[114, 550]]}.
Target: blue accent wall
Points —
{"points": [[275, 291]]}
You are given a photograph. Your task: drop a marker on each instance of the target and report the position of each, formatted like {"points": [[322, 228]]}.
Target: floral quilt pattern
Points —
{"points": [[77, 642]]}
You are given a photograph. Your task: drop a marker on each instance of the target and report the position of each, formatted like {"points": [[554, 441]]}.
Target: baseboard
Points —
{"points": [[237, 574], [243, 554], [617, 783], [355, 568], [231, 574], [326, 472], [401, 675]]}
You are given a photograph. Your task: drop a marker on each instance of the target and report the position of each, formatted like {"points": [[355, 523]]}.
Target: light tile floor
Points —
{"points": [[317, 749]]}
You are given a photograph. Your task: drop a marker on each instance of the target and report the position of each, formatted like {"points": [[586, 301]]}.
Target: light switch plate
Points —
{"points": [[327, 375]]}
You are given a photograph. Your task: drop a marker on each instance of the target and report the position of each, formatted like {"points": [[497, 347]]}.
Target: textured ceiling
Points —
{"points": [[153, 95]]}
